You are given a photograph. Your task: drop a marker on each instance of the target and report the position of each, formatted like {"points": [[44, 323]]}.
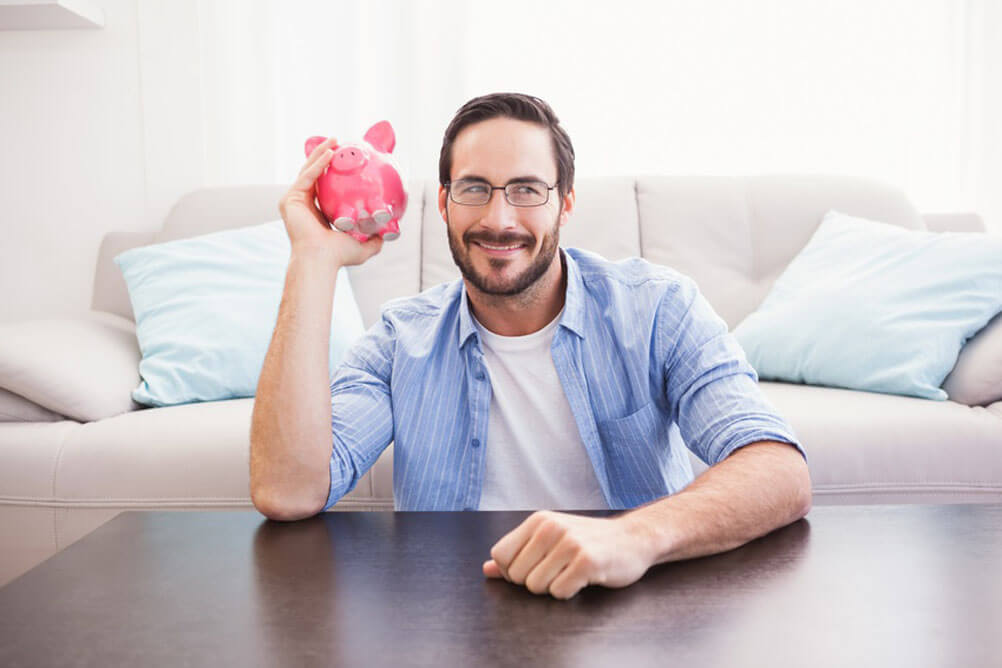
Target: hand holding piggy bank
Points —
{"points": [[360, 192]]}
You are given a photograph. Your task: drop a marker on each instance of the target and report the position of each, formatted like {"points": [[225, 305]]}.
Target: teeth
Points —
{"points": [[502, 247]]}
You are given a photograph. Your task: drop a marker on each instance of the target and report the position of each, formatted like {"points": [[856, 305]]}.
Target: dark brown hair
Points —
{"points": [[520, 107]]}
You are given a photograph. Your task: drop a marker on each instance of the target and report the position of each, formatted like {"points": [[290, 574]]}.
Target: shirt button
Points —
{"points": [[475, 442], [467, 508], [479, 375]]}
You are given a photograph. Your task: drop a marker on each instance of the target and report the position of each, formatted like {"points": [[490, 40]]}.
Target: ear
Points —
{"points": [[567, 208], [443, 194], [312, 143], [381, 136]]}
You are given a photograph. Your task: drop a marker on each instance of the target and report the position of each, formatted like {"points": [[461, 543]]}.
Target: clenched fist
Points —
{"points": [[560, 554]]}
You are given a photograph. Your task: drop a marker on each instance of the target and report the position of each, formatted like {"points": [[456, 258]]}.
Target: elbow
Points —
{"points": [[805, 495], [280, 509], [806, 503]]}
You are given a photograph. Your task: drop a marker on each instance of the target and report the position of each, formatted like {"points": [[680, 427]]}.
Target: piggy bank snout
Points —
{"points": [[348, 159]]}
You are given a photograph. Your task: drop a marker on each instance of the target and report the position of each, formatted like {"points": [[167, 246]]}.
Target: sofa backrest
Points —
{"points": [[733, 235]]}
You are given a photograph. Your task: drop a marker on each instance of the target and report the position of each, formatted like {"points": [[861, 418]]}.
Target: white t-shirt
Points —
{"points": [[534, 458]]}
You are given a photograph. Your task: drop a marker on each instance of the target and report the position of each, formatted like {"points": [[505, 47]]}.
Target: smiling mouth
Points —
{"points": [[499, 250]]}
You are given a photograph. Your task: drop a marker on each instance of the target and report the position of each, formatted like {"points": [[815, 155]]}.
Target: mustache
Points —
{"points": [[503, 240]]}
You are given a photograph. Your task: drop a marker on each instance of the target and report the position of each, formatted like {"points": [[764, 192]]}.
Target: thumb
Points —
{"points": [[373, 244], [491, 569]]}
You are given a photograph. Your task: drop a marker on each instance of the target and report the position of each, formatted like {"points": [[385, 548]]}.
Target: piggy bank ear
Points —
{"points": [[381, 136], [312, 143]]}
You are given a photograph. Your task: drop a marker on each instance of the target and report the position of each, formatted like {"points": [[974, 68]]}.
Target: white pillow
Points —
{"points": [[871, 306], [84, 368], [206, 309]]}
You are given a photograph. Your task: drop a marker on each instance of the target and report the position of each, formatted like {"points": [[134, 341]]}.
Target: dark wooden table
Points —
{"points": [[848, 586]]}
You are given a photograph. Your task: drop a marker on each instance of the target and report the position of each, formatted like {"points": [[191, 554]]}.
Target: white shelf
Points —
{"points": [[49, 15]]}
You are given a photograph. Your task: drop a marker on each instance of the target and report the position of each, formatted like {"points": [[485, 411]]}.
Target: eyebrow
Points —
{"points": [[517, 179]]}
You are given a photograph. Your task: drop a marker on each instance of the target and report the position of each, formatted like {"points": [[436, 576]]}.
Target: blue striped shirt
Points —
{"points": [[639, 353]]}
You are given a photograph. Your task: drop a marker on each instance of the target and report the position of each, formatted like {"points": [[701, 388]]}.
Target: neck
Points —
{"points": [[524, 313]]}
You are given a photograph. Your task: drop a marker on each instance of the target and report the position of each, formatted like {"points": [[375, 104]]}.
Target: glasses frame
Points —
{"points": [[448, 187]]}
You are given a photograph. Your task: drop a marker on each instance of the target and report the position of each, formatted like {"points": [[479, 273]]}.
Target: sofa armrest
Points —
{"points": [[954, 222], [111, 294], [84, 367]]}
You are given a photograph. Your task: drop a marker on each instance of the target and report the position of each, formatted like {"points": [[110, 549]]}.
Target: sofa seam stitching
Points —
{"points": [[55, 475]]}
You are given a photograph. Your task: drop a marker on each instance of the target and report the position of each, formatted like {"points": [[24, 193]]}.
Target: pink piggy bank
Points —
{"points": [[360, 192]]}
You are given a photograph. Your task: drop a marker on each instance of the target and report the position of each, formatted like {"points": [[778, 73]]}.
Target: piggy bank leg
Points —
{"points": [[369, 226], [380, 211], [344, 219], [358, 236], [392, 231]]}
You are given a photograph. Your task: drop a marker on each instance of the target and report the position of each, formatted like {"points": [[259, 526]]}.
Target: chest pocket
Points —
{"points": [[637, 454]]}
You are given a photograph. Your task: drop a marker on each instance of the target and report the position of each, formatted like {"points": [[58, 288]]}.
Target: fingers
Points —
{"points": [[540, 578], [545, 537], [569, 581], [330, 142], [308, 177], [508, 547], [491, 569], [314, 166]]}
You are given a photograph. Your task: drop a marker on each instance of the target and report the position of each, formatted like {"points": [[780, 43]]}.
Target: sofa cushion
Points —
{"points": [[206, 308], [82, 367], [735, 235], [15, 408], [976, 379], [865, 447], [875, 307], [188, 456]]}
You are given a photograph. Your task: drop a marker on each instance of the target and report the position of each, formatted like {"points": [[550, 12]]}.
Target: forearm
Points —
{"points": [[290, 427], [759, 488]]}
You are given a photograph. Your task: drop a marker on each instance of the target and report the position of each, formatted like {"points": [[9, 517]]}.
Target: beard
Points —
{"points": [[493, 283]]}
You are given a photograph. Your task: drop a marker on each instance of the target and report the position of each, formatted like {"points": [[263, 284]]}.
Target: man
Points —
{"points": [[545, 378]]}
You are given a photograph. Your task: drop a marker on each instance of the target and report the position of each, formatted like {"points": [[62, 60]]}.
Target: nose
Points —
{"points": [[499, 214]]}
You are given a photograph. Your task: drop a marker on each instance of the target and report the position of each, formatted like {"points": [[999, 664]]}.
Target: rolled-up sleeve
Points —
{"points": [[361, 409], [712, 389]]}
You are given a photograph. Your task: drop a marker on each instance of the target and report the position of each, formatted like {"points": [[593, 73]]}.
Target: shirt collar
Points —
{"points": [[572, 318]]}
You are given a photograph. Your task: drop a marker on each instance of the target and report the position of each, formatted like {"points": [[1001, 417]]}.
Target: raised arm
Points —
{"points": [[290, 439]]}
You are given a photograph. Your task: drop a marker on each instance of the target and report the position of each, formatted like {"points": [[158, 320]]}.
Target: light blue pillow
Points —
{"points": [[206, 309], [871, 306]]}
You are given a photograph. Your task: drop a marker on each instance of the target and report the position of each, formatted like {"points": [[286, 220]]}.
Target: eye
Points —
{"points": [[527, 189], [472, 188]]}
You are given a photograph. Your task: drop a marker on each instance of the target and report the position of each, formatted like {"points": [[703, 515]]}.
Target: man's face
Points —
{"points": [[499, 151]]}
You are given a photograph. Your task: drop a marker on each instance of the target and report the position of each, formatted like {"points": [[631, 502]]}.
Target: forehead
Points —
{"points": [[501, 149]]}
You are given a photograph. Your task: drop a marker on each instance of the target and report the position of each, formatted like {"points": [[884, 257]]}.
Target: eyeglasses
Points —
{"points": [[475, 192]]}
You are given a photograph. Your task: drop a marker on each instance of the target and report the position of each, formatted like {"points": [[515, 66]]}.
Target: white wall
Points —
{"points": [[988, 109], [72, 165], [102, 130]]}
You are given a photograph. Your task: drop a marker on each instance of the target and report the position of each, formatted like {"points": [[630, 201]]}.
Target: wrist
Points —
{"points": [[649, 533], [641, 534], [317, 254]]}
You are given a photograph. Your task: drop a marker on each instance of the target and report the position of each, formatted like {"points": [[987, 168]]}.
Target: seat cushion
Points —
{"points": [[865, 447], [192, 455]]}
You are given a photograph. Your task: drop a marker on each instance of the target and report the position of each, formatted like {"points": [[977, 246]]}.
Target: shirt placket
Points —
{"points": [[479, 388], [566, 360]]}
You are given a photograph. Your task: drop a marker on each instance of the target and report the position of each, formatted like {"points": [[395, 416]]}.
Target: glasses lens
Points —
{"points": [[532, 193], [470, 191]]}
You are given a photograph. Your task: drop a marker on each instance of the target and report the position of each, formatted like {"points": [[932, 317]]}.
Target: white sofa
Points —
{"points": [[61, 478]]}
